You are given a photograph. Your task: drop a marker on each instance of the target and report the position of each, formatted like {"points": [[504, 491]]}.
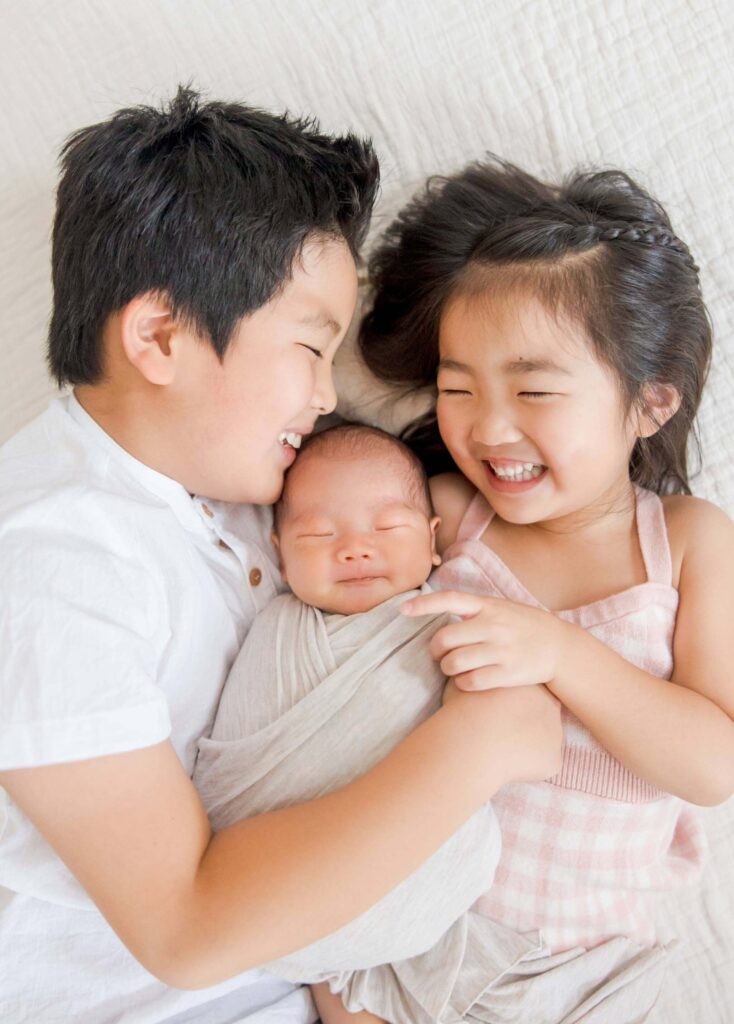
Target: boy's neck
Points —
{"points": [[128, 421]]}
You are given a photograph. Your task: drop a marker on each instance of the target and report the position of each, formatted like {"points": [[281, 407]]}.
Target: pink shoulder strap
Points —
{"points": [[653, 535], [478, 516]]}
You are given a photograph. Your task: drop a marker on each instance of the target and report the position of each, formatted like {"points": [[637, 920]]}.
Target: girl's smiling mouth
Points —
{"points": [[513, 477]]}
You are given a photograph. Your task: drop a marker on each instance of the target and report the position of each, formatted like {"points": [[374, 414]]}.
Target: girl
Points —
{"points": [[570, 343]]}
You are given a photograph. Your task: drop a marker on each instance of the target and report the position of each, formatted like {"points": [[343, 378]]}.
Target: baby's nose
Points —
{"points": [[355, 549]]}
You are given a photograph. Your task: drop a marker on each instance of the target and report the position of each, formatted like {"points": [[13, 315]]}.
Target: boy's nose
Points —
{"points": [[324, 396]]}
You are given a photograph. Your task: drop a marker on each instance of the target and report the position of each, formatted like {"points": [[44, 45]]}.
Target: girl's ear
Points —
{"points": [[434, 524], [276, 545], [659, 403]]}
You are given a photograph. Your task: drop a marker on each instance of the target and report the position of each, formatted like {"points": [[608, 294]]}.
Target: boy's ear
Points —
{"points": [[659, 403], [434, 524], [147, 329], [276, 545]]}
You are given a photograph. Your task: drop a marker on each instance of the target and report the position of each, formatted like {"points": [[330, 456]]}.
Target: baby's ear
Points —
{"points": [[659, 403], [276, 545], [434, 524]]}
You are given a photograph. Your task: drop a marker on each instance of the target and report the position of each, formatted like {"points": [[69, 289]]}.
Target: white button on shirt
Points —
{"points": [[123, 604]]}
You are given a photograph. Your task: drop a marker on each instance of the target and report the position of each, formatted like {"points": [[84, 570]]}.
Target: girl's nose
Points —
{"points": [[493, 427]]}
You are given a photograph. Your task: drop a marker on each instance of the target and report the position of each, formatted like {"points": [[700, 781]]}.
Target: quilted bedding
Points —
{"points": [[549, 84]]}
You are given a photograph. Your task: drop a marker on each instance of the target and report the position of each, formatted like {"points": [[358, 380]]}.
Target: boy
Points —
{"points": [[204, 276]]}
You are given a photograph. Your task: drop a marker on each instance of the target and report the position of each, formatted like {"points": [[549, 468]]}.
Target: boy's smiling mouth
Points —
{"points": [[293, 440]]}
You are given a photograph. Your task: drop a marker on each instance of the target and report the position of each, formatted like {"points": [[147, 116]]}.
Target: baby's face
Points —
{"points": [[351, 536]]}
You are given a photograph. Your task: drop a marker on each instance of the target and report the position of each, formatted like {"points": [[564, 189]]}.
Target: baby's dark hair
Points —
{"points": [[207, 203], [356, 440], [597, 247]]}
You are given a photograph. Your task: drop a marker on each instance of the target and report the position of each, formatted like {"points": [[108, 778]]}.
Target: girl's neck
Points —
{"points": [[610, 512], [576, 559]]}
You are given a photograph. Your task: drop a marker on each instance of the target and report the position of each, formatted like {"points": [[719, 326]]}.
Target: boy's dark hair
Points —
{"points": [[359, 440], [597, 247], [208, 204]]}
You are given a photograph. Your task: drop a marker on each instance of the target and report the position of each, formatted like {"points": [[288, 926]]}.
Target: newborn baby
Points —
{"points": [[330, 679]]}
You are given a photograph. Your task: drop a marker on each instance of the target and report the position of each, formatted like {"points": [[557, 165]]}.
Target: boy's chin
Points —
{"points": [[265, 493]]}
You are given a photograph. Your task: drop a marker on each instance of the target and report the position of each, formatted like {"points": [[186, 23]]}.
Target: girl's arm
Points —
{"points": [[195, 908], [451, 494], [679, 735], [332, 1010]]}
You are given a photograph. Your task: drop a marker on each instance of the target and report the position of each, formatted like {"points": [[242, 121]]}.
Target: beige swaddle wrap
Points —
{"points": [[311, 703]]}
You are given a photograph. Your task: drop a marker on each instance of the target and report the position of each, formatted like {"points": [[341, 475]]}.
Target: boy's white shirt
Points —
{"points": [[123, 603]]}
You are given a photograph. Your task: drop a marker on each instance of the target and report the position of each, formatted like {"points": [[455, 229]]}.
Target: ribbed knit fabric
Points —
{"points": [[583, 852]]}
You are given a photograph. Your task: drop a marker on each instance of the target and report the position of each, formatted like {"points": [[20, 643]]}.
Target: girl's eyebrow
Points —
{"points": [[535, 366], [452, 364], [512, 366]]}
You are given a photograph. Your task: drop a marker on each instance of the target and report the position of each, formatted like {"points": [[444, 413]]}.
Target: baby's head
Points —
{"points": [[354, 525]]}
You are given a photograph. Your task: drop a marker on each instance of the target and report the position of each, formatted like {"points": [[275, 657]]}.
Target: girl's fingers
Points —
{"points": [[462, 634], [451, 602], [468, 658], [489, 677]]}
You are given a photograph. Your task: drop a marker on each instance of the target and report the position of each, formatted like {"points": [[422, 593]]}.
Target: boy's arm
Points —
{"points": [[195, 908], [332, 1010], [679, 734]]}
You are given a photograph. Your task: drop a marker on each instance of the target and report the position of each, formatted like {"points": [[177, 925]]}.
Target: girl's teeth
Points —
{"points": [[520, 471], [294, 440]]}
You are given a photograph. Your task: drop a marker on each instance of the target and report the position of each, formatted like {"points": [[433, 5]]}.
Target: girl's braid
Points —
{"points": [[648, 233]]}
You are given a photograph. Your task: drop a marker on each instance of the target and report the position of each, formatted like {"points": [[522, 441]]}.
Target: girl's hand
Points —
{"points": [[497, 643]]}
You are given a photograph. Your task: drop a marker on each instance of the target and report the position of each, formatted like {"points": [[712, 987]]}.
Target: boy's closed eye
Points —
{"points": [[315, 351]]}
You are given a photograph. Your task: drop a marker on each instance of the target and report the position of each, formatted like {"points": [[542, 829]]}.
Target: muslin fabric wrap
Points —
{"points": [[312, 701]]}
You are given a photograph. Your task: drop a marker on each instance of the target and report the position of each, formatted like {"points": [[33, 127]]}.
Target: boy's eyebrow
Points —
{"points": [[321, 319]]}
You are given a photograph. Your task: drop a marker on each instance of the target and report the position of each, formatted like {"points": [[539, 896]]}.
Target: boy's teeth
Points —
{"points": [[294, 440], [518, 471]]}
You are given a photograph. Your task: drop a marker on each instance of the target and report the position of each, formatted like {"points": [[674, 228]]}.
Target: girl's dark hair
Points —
{"points": [[597, 247], [208, 204]]}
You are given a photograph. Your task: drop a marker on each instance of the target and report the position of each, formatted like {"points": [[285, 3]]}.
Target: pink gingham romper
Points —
{"points": [[584, 852]]}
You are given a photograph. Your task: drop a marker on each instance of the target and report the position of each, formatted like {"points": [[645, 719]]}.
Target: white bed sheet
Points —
{"points": [[546, 83]]}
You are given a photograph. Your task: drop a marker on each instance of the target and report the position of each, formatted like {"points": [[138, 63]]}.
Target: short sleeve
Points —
{"points": [[82, 630]]}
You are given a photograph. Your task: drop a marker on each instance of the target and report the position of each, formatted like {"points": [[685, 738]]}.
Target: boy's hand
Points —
{"points": [[530, 721], [498, 643]]}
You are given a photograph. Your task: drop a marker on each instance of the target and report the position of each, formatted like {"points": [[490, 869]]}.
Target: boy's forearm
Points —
{"points": [[279, 867], [664, 732], [332, 1010]]}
